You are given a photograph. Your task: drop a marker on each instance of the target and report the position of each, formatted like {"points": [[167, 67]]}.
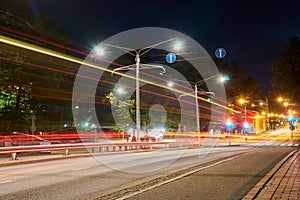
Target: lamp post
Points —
{"points": [[290, 113], [242, 101], [196, 84], [138, 66]]}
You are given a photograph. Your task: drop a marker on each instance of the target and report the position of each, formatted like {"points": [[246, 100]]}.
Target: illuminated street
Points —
{"points": [[149, 100], [52, 179]]}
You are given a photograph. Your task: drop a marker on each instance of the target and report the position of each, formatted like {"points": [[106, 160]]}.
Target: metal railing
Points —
{"points": [[91, 147]]}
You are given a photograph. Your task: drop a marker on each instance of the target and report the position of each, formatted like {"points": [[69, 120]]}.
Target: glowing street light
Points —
{"points": [[196, 92], [279, 99], [242, 101], [178, 45], [120, 90], [224, 78], [139, 66], [285, 103]]}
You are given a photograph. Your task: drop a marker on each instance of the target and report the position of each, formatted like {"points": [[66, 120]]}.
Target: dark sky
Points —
{"points": [[252, 32]]}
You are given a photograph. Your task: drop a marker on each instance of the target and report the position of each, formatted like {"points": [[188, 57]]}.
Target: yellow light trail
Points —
{"points": [[35, 48]]}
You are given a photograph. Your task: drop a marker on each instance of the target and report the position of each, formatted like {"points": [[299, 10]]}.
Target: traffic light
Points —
{"points": [[209, 99]]}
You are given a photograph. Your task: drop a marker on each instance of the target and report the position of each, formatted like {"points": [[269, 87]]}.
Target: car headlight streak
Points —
{"points": [[41, 50]]}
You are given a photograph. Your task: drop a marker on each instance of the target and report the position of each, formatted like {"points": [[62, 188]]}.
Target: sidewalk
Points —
{"points": [[282, 182]]}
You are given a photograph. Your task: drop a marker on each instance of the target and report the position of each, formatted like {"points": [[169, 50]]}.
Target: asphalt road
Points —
{"points": [[107, 176], [229, 180], [81, 178]]}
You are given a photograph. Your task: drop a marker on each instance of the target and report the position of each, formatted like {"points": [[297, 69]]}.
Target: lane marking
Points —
{"points": [[179, 177], [58, 166], [7, 181], [45, 168], [81, 168]]}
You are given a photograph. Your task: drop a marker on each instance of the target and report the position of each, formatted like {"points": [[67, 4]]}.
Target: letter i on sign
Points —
{"points": [[220, 53], [171, 57]]}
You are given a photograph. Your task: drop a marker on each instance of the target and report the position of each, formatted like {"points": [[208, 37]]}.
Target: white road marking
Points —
{"points": [[177, 177], [7, 181], [81, 168]]}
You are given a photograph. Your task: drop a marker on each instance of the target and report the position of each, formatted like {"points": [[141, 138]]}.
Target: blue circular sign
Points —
{"points": [[220, 53], [171, 57]]}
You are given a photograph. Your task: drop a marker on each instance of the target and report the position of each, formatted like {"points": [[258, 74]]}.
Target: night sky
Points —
{"points": [[252, 32]]}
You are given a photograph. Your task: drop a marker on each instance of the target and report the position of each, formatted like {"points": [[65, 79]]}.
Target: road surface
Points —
{"points": [[81, 178]]}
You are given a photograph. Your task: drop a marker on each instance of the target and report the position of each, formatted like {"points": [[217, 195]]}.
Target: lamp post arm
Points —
{"points": [[150, 66], [127, 67], [198, 83], [153, 46], [190, 82], [127, 50]]}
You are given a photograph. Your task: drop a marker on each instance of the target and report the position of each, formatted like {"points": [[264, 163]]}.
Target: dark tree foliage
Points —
{"points": [[241, 84], [24, 16], [24, 87], [286, 72]]}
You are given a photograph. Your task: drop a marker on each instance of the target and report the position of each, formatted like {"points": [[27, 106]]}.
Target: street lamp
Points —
{"points": [[139, 66], [196, 85], [120, 90], [243, 101], [285, 101], [280, 99]]}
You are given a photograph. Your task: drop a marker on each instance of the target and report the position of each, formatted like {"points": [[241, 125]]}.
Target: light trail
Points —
{"points": [[50, 43], [85, 54], [103, 81], [34, 48]]}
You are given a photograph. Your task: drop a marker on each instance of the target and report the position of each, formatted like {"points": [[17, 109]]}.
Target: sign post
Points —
{"points": [[292, 128]]}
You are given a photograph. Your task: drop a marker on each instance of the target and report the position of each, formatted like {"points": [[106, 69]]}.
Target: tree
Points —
{"points": [[241, 85], [124, 110], [286, 72], [19, 81]]}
